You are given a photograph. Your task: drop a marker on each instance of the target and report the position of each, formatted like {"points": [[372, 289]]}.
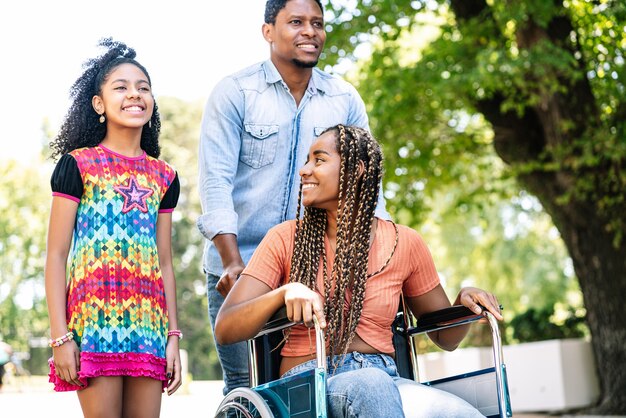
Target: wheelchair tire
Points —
{"points": [[243, 403]]}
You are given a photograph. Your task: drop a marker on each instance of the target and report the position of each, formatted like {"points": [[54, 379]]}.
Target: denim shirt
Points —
{"points": [[253, 142]]}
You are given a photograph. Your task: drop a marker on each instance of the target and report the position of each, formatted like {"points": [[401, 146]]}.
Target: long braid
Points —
{"points": [[309, 244], [345, 271], [368, 193], [358, 195]]}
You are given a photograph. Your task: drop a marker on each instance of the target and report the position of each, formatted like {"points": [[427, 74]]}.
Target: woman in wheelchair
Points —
{"points": [[341, 264]]}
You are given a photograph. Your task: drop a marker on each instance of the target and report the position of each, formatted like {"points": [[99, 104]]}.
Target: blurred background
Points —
{"points": [[502, 124]]}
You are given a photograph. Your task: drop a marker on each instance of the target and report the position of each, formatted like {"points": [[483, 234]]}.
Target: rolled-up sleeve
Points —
{"points": [[358, 113], [220, 143]]}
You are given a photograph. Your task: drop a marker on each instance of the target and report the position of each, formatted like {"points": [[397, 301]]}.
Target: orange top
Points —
{"points": [[410, 271]]}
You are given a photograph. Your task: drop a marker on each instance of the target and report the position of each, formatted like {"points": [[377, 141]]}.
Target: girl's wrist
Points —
{"points": [[175, 333], [57, 342]]}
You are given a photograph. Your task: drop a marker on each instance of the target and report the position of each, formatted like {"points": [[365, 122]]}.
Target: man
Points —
{"points": [[257, 127]]}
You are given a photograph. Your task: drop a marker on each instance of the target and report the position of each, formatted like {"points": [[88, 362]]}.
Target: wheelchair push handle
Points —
{"points": [[279, 321]]}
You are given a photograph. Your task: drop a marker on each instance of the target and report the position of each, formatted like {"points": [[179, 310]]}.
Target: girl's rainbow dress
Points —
{"points": [[116, 305]]}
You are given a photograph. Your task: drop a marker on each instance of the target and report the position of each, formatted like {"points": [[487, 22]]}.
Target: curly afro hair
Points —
{"points": [[81, 127]]}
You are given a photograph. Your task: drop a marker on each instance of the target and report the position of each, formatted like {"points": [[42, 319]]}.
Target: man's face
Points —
{"points": [[298, 36]]}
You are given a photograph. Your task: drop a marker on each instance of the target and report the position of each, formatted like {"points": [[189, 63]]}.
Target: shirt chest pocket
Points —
{"points": [[258, 146]]}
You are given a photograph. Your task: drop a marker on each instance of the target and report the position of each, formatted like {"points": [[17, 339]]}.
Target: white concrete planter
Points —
{"points": [[553, 375]]}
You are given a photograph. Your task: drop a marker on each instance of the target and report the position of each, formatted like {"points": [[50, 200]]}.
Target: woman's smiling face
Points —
{"points": [[320, 174]]}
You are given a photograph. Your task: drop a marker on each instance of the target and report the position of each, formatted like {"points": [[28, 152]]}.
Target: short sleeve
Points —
{"points": [[170, 200], [270, 262], [423, 277], [66, 180]]}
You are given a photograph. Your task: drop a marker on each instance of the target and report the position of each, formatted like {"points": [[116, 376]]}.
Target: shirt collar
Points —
{"points": [[316, 83]]}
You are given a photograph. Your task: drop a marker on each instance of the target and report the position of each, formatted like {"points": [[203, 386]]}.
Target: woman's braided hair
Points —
{"points": [[358, 195], [81, 127]]}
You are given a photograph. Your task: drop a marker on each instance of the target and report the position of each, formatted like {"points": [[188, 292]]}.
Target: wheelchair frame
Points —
{"points": [[271, 396], [452, 317]]}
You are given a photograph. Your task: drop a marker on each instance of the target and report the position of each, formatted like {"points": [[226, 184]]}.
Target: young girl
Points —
{"points": [[114, 328], [346, 267]]}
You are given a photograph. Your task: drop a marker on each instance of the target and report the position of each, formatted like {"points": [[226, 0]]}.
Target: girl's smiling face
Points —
{"points": [[125, 97]]}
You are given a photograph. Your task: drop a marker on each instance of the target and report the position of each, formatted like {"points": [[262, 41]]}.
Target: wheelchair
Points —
{"points": [[304, 395]]}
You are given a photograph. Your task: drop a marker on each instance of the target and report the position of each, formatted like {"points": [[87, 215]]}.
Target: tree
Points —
{"points": [[25, 205], [541, 83], [180, 132]]}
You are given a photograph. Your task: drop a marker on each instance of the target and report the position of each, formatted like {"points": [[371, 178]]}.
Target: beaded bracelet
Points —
{"points": [[61, 340], [175, 332]]}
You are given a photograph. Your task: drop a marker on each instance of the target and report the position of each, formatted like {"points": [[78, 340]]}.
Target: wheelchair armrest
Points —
{"points": [[444, 318], [276, 322]]}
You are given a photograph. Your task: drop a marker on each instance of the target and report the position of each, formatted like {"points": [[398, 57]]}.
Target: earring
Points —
{"points": [[150, 123], [102, 118]]}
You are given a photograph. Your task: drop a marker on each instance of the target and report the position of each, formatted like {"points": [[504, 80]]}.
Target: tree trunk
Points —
{"points": [[599, 265], [601, 271]]}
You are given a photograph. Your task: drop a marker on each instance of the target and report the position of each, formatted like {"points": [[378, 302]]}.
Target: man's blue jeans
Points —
{"points": [[233, 357], [368, 385]]}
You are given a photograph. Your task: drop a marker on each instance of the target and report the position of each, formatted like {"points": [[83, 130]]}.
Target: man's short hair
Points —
{"points": [[273, 7]]}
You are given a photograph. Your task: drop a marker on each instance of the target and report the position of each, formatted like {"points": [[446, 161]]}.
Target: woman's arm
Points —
{"points": [[251, 303], [60, 228], [449, 338], [164, 247]]}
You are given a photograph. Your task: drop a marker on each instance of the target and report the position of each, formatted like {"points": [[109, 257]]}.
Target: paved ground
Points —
{"points": [[33, 398]]}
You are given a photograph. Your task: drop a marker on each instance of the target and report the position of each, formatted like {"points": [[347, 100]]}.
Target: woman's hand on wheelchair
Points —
{"points": [[477, 299], [302, 304]]}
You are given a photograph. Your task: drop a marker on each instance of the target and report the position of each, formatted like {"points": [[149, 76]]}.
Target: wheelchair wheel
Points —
{"points": [[243, 403]]}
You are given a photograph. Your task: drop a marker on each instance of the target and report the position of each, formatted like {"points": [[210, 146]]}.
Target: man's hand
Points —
{"points": [[228, 279], [226, 245]]}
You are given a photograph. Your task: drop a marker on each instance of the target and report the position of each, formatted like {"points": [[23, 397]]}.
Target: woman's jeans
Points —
{"points": [[368, 385]]}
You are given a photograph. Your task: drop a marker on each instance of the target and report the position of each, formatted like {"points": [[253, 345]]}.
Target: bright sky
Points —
{"points": [[186, 45]]}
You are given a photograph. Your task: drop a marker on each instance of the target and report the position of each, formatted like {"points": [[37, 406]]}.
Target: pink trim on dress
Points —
{"points": [[126, 157], [112, 364], [67, 196]]}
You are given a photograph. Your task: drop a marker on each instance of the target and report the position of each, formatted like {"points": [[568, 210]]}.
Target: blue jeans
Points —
{"points": [[368, 385], [233, 357]]}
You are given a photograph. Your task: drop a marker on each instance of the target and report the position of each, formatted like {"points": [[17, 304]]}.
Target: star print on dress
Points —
{"points": [[135, 196]]}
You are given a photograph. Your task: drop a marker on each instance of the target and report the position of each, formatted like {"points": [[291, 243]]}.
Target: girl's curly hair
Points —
{"points": [[81, 127]]}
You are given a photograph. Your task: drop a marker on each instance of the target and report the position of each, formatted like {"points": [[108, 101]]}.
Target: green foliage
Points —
{"points": [[24, 202], [423, 75], [538, 324], [426, 74]]}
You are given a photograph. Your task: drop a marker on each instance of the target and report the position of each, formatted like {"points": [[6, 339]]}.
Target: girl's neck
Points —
{"points": [[124, 143]]}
